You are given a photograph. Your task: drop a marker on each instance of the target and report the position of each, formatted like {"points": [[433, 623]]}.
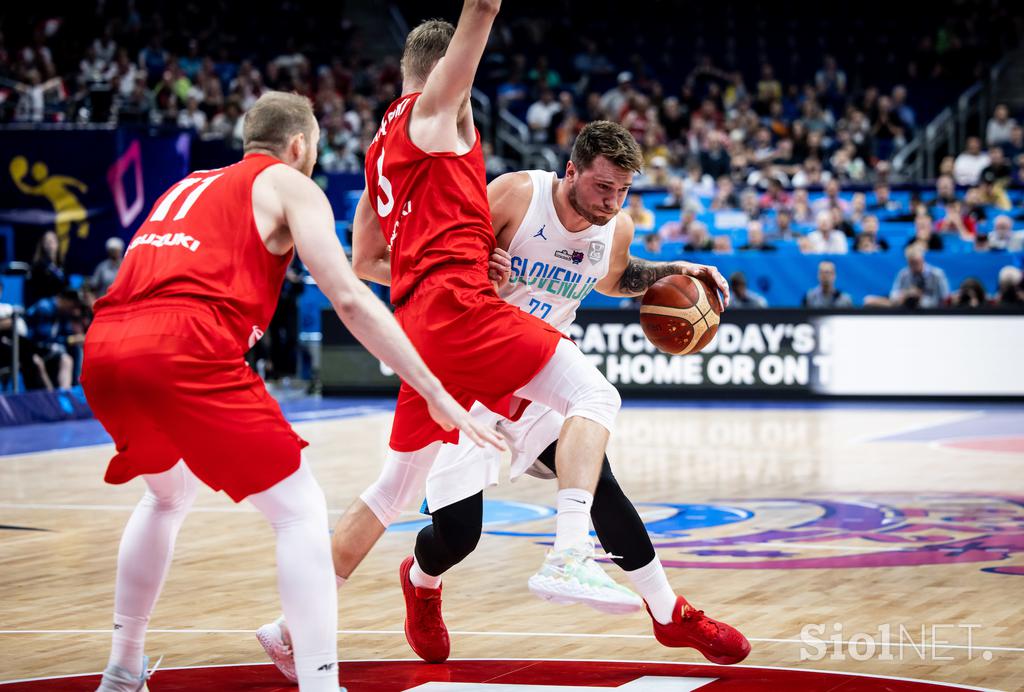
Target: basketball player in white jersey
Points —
{"points": [[557, 240]]}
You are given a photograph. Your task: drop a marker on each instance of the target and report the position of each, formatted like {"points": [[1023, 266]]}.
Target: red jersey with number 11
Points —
{"points": [[432, 207], [200, 242]]}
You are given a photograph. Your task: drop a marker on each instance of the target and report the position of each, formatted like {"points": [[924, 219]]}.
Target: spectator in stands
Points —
{"points": [[971, 294], [811, 173], [957, 221], [742, 297], [697, 183], [672, 231], [657, 175], [945, 191], [755, 239], [652, 243], [1011, 286], [47, 277], [902, 109], [714, 159], [725, 195], [540, 115], [999, 171], [825, 238], [867, 239], [968, 165], [1014, 147], [614, 101], [697, 238], [925, 235], [883, 202], [919, 284], [802, 212], [825, 294], [769, 89], [721, 244], [106, 271], [642, 217], [1003, 237], [192, 117], [31, 365], [858, 209], [784, 229], [52, 333], [776, 196], [997, 131], [228, 124]]}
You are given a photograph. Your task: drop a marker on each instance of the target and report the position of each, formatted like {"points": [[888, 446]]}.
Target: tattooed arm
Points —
{"points": [[630, 276]]}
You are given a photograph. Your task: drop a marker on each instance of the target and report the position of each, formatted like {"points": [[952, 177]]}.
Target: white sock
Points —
{"points": [[129, 640], [572, 525], [652, 584], [317, 674], [421, 579]]}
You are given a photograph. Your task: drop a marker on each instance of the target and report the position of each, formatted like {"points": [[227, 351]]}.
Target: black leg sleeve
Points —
{"points": [[452, 535], [616, 521]]}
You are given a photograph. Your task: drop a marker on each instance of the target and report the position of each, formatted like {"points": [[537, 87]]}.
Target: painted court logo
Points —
{"points": [[854, 531]]}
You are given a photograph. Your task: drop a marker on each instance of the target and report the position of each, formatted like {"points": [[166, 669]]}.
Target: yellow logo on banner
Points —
{"points": [[58, 191]]}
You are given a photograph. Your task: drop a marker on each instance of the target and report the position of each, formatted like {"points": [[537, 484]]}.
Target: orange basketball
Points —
{"points": [[679, 314]]}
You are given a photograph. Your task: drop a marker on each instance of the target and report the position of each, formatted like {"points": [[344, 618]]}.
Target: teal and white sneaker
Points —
{"points": [[117, 679], [572, 576]]}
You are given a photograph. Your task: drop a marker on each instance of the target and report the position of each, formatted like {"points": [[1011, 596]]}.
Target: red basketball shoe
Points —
{"points": [[719, 642], [424, 627]]}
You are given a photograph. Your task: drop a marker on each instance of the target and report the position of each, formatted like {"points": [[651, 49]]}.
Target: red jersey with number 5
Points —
{"points": [[432, 207], [201, 242]]}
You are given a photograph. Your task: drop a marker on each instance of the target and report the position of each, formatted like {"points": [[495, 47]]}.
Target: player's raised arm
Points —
{"points": [[371, 258], [632, 276], [448, 85], [309, 218]]}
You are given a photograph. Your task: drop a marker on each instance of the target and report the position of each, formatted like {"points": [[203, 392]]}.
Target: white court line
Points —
{"points": [[469, 633], [246, 508], [957, 686]]}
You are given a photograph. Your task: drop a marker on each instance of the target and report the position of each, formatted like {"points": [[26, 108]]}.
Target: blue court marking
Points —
{"points": [[41, 437], [496, 513], [999, 423]]}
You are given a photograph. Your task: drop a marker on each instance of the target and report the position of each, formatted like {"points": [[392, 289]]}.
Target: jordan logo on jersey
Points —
{"points": [[540, 233]]}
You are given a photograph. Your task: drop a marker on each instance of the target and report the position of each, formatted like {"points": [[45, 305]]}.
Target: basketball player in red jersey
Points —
{"points": [[426, 200], [164, 373]]}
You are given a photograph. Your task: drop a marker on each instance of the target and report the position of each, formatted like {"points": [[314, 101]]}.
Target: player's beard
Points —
{"points": [[587, 215]]}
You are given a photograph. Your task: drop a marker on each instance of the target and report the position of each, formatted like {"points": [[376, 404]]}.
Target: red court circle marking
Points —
{"points": [[1009, 445], [401, 675]]}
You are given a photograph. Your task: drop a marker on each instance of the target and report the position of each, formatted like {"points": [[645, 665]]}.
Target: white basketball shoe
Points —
{"points": [[573, 576], [273, 637], [118, 679]]}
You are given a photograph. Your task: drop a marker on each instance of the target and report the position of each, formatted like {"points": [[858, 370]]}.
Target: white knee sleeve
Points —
{"points": [[400, 483], [573, 386]]}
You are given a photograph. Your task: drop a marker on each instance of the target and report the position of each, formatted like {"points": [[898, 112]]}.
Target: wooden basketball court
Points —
{"points": [[895, 531]]}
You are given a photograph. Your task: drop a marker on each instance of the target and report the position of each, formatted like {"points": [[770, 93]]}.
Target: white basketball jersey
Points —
{"points": [[553, 269]]}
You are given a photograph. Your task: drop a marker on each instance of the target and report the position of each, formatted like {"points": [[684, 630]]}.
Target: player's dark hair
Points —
{"points": [[424, 46], [274, 119], [610, 140]]}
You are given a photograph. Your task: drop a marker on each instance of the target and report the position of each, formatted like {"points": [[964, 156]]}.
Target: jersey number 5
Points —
{"points": [[160, 213]]}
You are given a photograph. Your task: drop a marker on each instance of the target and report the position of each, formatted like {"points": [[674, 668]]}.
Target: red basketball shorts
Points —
{"points": [[480, 347], [168, 383]]}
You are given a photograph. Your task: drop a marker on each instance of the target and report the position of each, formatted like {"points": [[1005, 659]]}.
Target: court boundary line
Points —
{"points": [[471, 633], [966, 414], [951, 685]]}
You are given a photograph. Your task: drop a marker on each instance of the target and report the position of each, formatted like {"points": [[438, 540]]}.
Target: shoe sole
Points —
{"points": [[266, 640], [554, 595]]}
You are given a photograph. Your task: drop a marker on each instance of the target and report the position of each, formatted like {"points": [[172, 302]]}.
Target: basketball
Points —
{"points": [[679, 314]]}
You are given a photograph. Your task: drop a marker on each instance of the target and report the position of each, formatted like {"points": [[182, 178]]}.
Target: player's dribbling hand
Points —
{"points": [[447, 413], [499, 269], [706, 271]]}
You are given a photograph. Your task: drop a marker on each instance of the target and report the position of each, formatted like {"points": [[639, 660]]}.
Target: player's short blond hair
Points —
{"points": [[274, 119], [610, 140], [424, 46]]}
